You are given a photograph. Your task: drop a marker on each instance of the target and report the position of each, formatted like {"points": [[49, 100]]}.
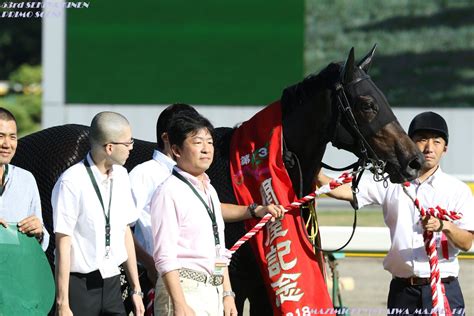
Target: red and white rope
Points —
{"points": [[346, 177], [438, 294]]}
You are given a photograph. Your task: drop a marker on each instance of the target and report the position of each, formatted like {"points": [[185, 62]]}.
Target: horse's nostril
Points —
{"points": [[415, 163]]}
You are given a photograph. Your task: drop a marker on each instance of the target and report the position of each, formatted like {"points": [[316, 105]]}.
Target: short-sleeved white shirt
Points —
{"points": [[21, 199], [407, 255], [144, 180], [77, 212]]}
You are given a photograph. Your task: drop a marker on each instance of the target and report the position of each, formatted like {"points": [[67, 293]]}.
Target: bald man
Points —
{"points": [[92, 210]]}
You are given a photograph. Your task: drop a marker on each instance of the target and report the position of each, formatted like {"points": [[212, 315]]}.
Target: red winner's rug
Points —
{"points": [[292, 275]]}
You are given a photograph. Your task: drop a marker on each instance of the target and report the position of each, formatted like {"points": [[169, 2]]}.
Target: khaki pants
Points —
{"points": [[204, 299]]}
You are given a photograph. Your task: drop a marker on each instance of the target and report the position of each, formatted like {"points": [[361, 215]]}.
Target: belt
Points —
{"points": [[214, 280], [424, 281]]}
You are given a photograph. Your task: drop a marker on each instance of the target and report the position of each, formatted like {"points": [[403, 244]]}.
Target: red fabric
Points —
{"points": [[287, 262]]}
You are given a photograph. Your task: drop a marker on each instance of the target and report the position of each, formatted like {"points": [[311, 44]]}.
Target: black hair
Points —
{"points": [[187, 123], [166, 117], [6, 115]]}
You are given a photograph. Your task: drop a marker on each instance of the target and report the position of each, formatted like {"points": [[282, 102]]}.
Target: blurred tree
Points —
{"points": [[20, 43]]}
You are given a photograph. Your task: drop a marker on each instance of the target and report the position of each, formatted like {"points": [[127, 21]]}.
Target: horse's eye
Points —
{"points": [[367, 104]]}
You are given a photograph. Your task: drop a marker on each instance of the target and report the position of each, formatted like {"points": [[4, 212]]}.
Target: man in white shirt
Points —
{"points": [[146, 177], [19, 197], [92, 210], [407, 260]]}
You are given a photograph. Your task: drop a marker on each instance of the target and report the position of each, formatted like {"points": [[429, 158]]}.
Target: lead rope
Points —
{"points": [[346, 177], [438, 294]]}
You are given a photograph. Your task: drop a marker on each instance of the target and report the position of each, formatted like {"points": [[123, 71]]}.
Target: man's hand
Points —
{"points": [[277, 211], [31, 226], [183, 310], [3, 223], [139, 309], [432, 224], [63, 310], [229, 306]]}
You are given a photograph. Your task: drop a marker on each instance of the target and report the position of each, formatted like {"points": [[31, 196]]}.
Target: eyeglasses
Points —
{"points": [[127, 144]]}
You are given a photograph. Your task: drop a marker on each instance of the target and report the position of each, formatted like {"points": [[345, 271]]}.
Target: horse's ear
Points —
{"points": [[365, 62], [347, 74]]}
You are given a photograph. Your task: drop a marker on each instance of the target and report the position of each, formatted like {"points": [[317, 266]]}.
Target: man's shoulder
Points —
{"points": [[451, 182], [74, 171], [150, 171], [145, 167], [171, 183], [20, 172]]}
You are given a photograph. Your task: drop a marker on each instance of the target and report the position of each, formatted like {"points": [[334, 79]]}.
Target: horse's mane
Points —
{"points": [[305, 90]]}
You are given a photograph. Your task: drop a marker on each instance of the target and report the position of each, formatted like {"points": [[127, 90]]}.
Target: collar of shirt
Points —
{"points": [[195, 181], [8, 169], [104, 180], [432, 179], [160, 157], [8, 172]]}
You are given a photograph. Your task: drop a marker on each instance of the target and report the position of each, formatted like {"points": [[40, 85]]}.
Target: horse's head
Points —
{"points": [[342, 105], [366, 124]]}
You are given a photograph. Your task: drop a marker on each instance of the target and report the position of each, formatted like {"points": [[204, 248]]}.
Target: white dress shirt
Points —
{"points": [[144, 179], [407, 255], [21, 199], [77, 213]]}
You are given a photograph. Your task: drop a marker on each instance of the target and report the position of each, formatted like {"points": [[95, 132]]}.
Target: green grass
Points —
{"points": [[365, 218]]}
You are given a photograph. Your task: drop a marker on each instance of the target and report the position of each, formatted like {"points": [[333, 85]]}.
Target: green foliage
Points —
{"points": [[425, 54], [20, 43], [27, 111], [26, 75], [25, 106]]}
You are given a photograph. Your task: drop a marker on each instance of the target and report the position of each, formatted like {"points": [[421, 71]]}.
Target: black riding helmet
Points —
{"points": [[429, 121]]}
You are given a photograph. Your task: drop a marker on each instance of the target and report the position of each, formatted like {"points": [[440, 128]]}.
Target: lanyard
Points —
{"points": [[106, 216], [3, 184], [210, 211]]}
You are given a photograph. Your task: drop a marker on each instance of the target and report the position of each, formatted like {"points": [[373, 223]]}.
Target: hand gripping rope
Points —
{"points": [[344, 178], [438, 294]]}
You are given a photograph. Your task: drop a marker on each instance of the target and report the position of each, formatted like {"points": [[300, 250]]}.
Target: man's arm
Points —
{"points": [[132, 272], [173, 285], [344, 192], [147, 260], [63, 268], [229, 301], [234, 213]]}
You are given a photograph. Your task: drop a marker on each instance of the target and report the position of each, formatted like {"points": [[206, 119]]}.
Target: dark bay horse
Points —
{"points": [[341, 105]]}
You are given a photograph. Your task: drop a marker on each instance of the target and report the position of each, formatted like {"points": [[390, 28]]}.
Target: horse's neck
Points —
{"points": [[307, 131]]}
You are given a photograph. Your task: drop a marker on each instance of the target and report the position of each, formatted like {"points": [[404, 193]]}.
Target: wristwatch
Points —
{"points": [[251, 208], [228, 293], [139, 293]]}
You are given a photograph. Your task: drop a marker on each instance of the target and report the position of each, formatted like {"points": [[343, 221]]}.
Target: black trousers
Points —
{"points": [[90, 295], [417, 298]]}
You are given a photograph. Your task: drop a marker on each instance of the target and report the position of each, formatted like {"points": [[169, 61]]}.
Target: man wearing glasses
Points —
{"points": [[92, 210]]}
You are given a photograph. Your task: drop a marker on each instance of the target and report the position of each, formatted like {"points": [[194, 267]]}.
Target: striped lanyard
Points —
{"points": [[209, 210], [106, 215], [4, 177]]}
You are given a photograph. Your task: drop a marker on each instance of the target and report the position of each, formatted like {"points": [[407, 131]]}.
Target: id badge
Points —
{"points": [[221, 262], [220, 265]]}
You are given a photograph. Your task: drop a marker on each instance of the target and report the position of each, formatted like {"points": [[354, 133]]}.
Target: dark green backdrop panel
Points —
{"points": [[199, 52]]}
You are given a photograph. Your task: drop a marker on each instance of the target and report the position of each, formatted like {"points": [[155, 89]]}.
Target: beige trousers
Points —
{"points": [[204, 299]]}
